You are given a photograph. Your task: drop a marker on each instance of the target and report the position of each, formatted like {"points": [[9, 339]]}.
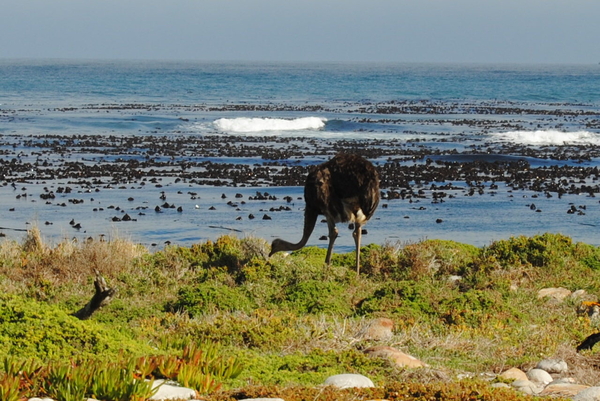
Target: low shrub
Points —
{"points": [[29, 328]]}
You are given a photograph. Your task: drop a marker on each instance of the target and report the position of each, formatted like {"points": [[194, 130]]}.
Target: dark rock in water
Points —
{"points": [[439, 221], [266, 217], [126, 217]]}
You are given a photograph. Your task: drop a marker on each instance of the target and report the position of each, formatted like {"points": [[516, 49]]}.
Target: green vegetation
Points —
{"points": [[225, 320]]}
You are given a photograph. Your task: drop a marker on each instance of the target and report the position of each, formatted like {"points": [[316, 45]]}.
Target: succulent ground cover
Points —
{"points": [[230, 322]]}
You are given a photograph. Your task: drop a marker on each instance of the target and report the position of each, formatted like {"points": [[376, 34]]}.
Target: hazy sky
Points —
{"points": [[521, 31]]}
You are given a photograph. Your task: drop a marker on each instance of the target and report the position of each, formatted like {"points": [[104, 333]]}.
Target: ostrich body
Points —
{"points": [[343, 189]]}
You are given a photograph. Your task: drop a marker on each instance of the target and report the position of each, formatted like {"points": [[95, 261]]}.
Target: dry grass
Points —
{"points": [[37, 266]]}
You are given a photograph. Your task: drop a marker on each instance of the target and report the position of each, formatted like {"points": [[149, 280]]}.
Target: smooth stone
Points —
{"points": [[539, 376], [564, 380], [380, 329], [513, 374], [579, 294], [348, 380], [563, 390], [262, 399], [172, 392], [500, 385], [526, 387], [558, 294], [398, 357], [589, 394], [553, 365]]}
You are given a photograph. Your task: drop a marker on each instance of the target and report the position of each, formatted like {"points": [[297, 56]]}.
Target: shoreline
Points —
{"points": [[98, 185]]}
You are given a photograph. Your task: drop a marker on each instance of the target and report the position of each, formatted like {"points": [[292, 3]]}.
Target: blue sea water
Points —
{"points": [[438, 107]]}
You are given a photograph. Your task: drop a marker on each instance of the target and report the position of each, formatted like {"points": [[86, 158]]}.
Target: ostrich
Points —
{"points": [[343, 189]]}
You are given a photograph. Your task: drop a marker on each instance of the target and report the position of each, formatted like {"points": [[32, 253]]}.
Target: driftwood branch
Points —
{"points": [[101, 298]]}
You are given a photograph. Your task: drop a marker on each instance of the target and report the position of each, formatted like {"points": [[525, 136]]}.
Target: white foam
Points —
{"points": [[248, 125], [548, 137]]}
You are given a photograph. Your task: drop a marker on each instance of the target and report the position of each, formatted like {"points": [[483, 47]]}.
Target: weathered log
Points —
{"points": [[101, 298]]}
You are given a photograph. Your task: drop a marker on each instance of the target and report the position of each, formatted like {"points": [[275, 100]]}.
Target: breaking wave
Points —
{"points": [[246, 125], [548, 137]]}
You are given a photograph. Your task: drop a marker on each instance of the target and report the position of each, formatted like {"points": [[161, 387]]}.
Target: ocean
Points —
{"points": [[190, 151]]}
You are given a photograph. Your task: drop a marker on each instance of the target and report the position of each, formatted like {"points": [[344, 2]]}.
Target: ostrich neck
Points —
{"points": [[310, 219]]}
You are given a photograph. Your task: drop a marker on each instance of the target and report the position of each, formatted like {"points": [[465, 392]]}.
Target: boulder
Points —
{"points": [[399, 358], [348, 380]]}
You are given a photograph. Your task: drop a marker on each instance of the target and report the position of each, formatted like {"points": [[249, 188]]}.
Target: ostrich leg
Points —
{"points": [[357, 234], [333, 233]]}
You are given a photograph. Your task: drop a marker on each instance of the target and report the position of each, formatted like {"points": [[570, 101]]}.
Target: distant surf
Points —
{"points": [[548, 137], [257, 125]]}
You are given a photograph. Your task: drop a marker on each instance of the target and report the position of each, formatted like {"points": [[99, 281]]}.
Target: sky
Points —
{"points": [[451, 31]]}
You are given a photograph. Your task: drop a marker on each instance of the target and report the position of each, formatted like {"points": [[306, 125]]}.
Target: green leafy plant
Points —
{"points": [[66, 381], [120, 382], [10, 387]]}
